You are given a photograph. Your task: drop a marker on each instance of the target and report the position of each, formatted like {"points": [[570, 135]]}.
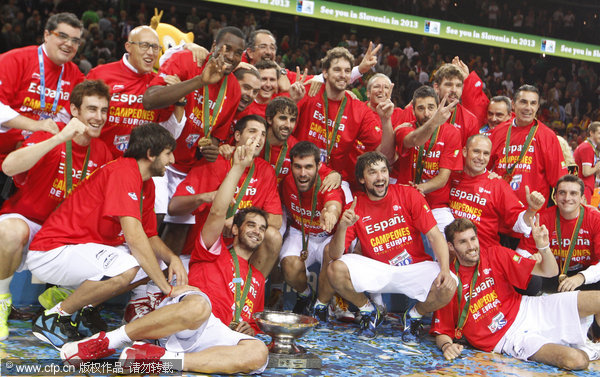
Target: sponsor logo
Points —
{"points": [[132, 195], [118, 87], [190, 189]]}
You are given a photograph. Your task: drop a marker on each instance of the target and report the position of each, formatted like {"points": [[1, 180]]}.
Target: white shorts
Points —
{"points": [[541, 320], [413, 280], [443, 216], [71, 265], [212, 333], [33, 229], [173, 178], [345, 186], [292, 246]]}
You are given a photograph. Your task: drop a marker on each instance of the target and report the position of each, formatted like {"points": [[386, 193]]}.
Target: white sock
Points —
{"points": [[174, 356], [5, 285], [413, 313], [57, 309], [368, 307], [306, 292], [118, 338]]}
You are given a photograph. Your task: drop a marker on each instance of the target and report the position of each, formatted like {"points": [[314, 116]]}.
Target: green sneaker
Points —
{"points": [[53, 296], [5, 303]]}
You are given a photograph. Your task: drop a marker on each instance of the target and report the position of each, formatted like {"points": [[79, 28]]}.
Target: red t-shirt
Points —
{"points": [[586, 155], [275, 151], [183, 65], [208, 176], [358, 122], [474, 99], [389, 230], [488, 203], [91, 213], [300, 205], [126, 110], [20, 89], [585, 253], [494, 302], [464, 121], [42, 188], [213, 272], [542, 165], [445, 153]]}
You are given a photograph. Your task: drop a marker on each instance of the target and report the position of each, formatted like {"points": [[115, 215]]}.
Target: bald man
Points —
{"points": [[128, 79]]}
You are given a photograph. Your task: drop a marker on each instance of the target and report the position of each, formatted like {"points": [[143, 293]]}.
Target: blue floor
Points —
{"points": [[343, 354]]}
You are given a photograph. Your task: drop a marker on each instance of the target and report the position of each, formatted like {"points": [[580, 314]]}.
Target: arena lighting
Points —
{"points": [[405, 23]]}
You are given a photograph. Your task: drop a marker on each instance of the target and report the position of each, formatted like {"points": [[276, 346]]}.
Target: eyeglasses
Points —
{"points": [[264, 46], [64, 37], [144, 46]]}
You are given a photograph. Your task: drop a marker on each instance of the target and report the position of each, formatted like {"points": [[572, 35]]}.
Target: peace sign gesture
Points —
{"points": [[443, 111], [370, 58], [540, 233], [297, 90], [215, 68]]}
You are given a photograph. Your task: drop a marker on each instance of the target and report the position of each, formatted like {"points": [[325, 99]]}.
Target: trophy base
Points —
{"points": [[297, 361]]}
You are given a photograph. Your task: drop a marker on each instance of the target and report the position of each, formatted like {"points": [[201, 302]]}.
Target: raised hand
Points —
{"points": [[540, 233], [74, 128], [215, 67], [297, 90], [370, 58], [462, 67], [535, 200], [349, 217]]}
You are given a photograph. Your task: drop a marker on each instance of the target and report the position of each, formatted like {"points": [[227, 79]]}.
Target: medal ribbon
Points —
{"points": [[209, 121], [596, 151], [567, 256], [305, 234], [240, 297], [69, 166], [280, 157], [462, 319], [43, 83], [421, 155], [330, 142], [234, 207], [528, 140]]}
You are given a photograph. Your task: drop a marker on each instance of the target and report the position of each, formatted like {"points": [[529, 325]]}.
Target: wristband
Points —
{"points": [[543, 248], [445, 344], [171, 291], [181, 103]]}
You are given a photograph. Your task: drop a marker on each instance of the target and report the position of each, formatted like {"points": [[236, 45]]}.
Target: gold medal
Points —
{"points": [[561, 278], [457, 334], [204, 142], [303, 255]]}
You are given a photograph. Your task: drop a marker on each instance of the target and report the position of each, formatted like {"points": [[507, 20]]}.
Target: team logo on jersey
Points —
{"points": [[191, 140], [121, 142], [396, 207], [190, 189], [498, 322], [516, 258], [515, 183], [455, 152], [366, 218], [478, 84], [481, 189], [132, 195], [118, 87], [253, 180], [426, 207], [35, 75], [487, 271], [293, 196]]}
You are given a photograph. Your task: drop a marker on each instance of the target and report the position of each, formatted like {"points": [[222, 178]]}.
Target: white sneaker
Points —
{"points": [[340, 309]]}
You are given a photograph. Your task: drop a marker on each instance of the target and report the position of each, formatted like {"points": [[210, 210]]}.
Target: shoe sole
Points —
{"points": [[44, 339]]}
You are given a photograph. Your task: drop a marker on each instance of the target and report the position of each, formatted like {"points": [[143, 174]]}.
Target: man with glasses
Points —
{"points": [[36, 82], [128, 79]]}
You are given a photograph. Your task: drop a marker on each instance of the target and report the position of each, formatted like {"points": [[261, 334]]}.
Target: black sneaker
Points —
{"points": [[321, 312], [55, 329], [413, 330], [369, 323], [304, 303], [90, 321]]}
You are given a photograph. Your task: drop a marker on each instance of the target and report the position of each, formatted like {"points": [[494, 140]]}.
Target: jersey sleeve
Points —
{"points": [[554, 160], [148, 215], [445, 319], [516, 269], [451, 158], [202, 253], [401, 133], [272, 203], [37, 137], [124, 197], [370, 128], [474, 99], [179, 64], [420, 211]]}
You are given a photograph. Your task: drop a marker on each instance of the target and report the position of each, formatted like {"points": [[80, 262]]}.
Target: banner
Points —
{"points": [[404, 23]]}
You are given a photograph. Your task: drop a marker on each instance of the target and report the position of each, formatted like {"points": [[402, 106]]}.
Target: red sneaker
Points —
{"points": [[92, 348]]}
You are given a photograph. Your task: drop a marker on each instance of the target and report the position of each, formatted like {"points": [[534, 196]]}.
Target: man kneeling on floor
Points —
{"points": [[190, 337], [492, 316], [82, 243]]}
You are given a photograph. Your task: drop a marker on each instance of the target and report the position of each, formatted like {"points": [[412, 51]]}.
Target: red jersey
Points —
{"points": [[126, 111], [462, 119], [357, 122], [488, 203], [585, 154], [389, 230], [494, 303], [91, 213], [183, 65], [541, 166], [20, 87], [275, 154], [445, 153], [585, 253], [213, 271], [42, 188], [299, 206], [474, 99], [208, 176]]}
